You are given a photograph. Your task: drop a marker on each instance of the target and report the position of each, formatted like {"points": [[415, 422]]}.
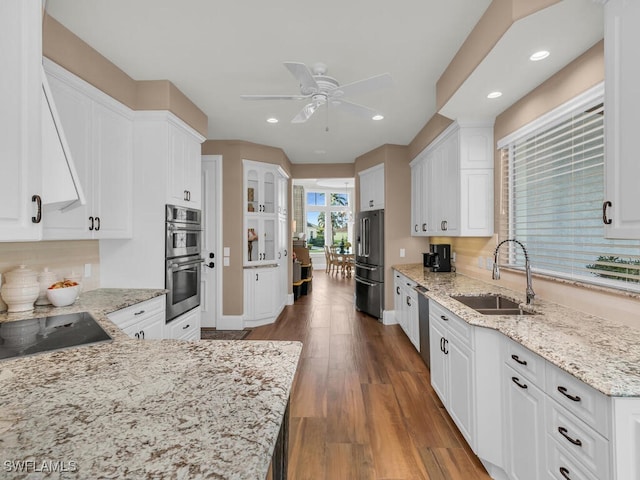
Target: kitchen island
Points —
{"points": [[144, 409]]}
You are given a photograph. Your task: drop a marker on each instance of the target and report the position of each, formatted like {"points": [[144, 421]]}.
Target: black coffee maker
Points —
{"points": [[438, 258]]}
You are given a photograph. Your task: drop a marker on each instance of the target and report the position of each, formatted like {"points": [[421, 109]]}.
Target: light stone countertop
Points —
{"points": [[144, 409], [601, 353]]}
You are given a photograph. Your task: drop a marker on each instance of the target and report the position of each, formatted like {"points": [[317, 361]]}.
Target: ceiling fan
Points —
{"points": [[321, 89]]}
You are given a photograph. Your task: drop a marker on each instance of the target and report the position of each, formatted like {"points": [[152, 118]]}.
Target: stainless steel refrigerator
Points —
{"points": [[370, 263]]}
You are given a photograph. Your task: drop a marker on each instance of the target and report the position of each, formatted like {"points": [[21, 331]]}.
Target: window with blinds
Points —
{"points": [[552, 194]]}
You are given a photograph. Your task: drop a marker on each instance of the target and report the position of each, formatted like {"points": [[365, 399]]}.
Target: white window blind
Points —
{"points": [[553, 189]]}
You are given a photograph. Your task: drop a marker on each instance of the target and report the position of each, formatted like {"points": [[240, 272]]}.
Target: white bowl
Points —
{"points": [[61, 297]]}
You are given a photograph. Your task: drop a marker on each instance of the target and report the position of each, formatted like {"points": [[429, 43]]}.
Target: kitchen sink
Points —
{"points": [[492, 304]]}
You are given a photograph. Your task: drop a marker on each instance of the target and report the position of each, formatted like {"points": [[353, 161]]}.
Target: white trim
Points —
{"points": [[166, 116], [554, 116], [229, 322]]}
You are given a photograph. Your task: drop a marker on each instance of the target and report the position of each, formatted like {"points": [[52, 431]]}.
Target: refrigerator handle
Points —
{"points": [[365, 235]]}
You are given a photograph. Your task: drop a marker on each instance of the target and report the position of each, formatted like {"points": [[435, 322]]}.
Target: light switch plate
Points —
{"points": [[227, 252], [402, 253], [225, 261]]}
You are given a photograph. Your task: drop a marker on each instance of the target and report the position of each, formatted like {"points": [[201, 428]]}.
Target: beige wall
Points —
{"points": [[69, 51], [580, 75], [61, 257], [322, 170], [397, 209], [233, 152]]}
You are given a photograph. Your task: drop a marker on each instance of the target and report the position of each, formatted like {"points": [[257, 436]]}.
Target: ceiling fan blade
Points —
{"points": [[274, 97], [363, 86], [304, 76], [306, 112], [355, 108]]}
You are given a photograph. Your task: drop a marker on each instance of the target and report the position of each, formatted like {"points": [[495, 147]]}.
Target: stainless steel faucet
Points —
{"points": [[527, 267]]}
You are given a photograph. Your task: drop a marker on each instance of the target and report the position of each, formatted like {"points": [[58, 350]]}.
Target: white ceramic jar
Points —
{"points": [[20, 289]]}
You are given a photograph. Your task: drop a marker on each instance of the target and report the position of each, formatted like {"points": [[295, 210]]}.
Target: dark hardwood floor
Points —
{"points": [[362, 406]]}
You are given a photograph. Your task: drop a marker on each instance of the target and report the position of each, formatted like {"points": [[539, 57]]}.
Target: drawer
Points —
{"points": [[185, 327], [148, 328], [524, 361], [562, 466], [136, 313], [588, 447], [459, 327], [579, 398]]}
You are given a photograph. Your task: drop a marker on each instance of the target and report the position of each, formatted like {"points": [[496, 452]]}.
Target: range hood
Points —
{"points": [[61, 187]]}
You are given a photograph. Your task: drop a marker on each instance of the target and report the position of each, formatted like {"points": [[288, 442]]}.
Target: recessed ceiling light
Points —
{"points": [[541, 55], [272, 120], [377, 117], [494, 95]]}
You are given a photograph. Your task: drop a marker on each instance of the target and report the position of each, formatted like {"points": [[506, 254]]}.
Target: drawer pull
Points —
{"points": [[397, 290], [444, 318], [563, 431], [142, 334], [517, 359], [186, 326], [565, 473], [516, 380], [139, 313], [563, 391]]}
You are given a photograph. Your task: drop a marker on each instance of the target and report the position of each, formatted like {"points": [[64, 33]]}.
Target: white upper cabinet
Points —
{"points": [[184, 175], [622, 103], [452, 184], [99, 133], [372, 188], [20, 119]]}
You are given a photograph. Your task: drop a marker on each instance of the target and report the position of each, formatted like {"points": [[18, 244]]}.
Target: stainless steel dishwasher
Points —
{"points": [[423, 324]]}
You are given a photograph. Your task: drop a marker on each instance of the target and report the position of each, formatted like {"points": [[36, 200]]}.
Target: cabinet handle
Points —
{"points": [[446, 352], [286, 252], [444, 318], [38, 217], [563, 391], [443, 225], [565, 473], [408, 300], [516, 380], [188, 195], [517, 359], [563, 431], [605, 219], [184, 195], [397, 290], [424, 227], [137, 335], [91, 226], [371, 203], [186, 326], [139, 313], [441, 344], [415, 228], [142, 334], [256, 277], [97, 223], [279, 255]]}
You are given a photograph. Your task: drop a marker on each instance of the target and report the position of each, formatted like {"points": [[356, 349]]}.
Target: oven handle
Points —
{"points": [[175, 266], [173, 228]]}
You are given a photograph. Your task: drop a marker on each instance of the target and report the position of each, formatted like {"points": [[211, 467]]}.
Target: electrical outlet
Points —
{"points": [[480, 262], [402, 253], [87, 270], [453, 257]]}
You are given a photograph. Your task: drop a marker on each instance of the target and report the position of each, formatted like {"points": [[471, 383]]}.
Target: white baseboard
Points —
{"points": [[230, 322], [389, 317]]}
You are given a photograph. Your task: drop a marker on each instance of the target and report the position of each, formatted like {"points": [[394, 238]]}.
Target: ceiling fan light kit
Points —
{"points": [[320, 89]]}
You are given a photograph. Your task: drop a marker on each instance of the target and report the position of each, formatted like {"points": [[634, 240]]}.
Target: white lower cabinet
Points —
{"points": [[144, 320], [406, 308], [185, 327], [261, 290], [524, 426], [452, 367]]}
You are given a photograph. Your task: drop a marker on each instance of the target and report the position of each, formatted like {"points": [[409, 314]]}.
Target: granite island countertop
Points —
{"points": [[144, 409], [601, 353]]}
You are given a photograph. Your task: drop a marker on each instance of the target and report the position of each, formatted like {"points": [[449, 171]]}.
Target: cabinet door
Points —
{"points": [[185, 327], [449, 185], [418, 195], [112, 173], [176, 167], [148, 329], [524, 422], [622, 101], [20, 118], [372, 188], [75, 112], [264, 293], [461, 391], [193, 153], [476, 189], [438, 362], [412, 318]]}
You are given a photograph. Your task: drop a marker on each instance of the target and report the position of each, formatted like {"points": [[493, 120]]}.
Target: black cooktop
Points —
{"points": [[57, 332]]}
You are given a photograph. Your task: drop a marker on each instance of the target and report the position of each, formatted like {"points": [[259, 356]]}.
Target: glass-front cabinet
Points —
{"points": [[261, 208]]}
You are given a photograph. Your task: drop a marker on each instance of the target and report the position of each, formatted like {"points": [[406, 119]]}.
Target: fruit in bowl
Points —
{"points": [[64, 293]]}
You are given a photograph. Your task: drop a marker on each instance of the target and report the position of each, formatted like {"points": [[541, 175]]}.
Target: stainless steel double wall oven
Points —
{"points": [[183, 257]]}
